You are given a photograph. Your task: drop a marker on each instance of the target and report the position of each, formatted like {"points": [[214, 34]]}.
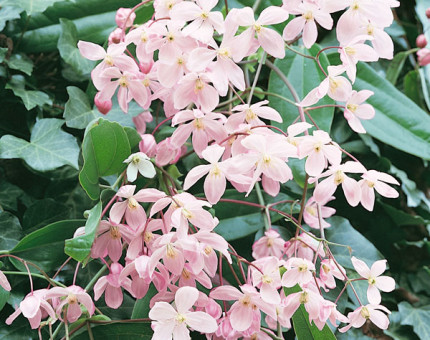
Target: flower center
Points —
{"points": [[208, 250], [215, 171], [350, 50], [170, 251], [311, 210], [267, 159], [317, 147], [148, 236], [224, 52], [355, 6], [132, 203], [198, 124], [370, 29], [326, 268], [72, 299], [267, 279], [304, 298], [123, 81], [308, 15], [339, 177], [269, 242], [186, 274], [371, 280], [352, 107], [199, 85], [180, 61], [250, 115], [187, 214], [144, 37], [170, 37], [180, 318], [246, 301], [115, 234], [365, 313], [258, 28], [109, 60], [204, 15], [169, 5], [135, 160], [302, 268], [370, 184]]}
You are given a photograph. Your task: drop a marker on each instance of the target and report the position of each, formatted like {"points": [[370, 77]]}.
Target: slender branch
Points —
{"points": [[95, 278], [257, 75]]}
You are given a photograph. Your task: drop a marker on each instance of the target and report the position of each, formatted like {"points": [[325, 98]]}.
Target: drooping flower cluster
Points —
{"points": [[187, 57]]}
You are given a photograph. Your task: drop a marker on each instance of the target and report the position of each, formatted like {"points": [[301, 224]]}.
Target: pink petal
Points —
{"points": [[100, 287], [4, 282], [226, 293], [195, 174], [325, 189], [214, 187], [271, 42], [185, 298], [351, 190], [385, 283], [373, 295], [240, 317], [367, 196], [201, 322], [29, 306], [117, 212], [315, 163], [310, 34], [113, 297], [378, 268], [293, 28], [385, 190], [162, 311], [361, 268], [91, 51], [73, 312], [379, 319]]}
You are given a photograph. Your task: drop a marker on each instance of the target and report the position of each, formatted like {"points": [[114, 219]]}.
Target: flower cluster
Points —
{"points": [[188, 56]]}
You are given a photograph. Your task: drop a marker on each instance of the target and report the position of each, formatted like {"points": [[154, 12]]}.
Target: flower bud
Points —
{"points": [[141, 120], [104, 106], [421, 41], [428, 12], [148, 145], [115, 36], [122, 14], [423, 56]]}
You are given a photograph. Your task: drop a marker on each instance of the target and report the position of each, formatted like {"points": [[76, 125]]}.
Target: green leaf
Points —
{"points": [[133, 137], [119, 331], [10, 195], [303, 328], [237, 227], [418, 318], [80, 247], [304, 75], [412, 87], [396, 115], [45, 246], [67, 45], [18, 331], [342, 232], [4, 296], [397, 64], [10, 230], [8, 13], [31, 99], [20, 62], [402, 218], [104, 149], [48, 149], [141, 306], [44, 212], [30, 6], [3, 52], [78, 112]]}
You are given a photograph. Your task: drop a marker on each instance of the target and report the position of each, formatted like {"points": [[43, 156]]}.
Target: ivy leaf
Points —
{"points": [[48, 149], [78, 112], [8, 13], [20, 62], [418, 318], [104, 149], [80, 247], [69, 51], [31, 99], [11, 230], [30, 6]]}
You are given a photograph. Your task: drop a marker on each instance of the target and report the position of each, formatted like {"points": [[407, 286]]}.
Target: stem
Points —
{"points": [[267, 222], [257, 73], [299, 53], [160, 124], [256, 5], [90, 332], [57, 330], [51, 281], [226, 6], [95, 278]]}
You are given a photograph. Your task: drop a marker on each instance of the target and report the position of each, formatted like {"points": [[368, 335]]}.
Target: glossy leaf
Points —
{"points": [[304, 75], [237, 227], [342, 232], [119, 331], [141, 306], [8, 13], [20, 62], [10, 230], [418, 318], [78, 112], [48, 149], [104, 149], [44, 212], [31, 99], [397, 64], [80, 247], [45, 246], [67, 45], [30, 6]]}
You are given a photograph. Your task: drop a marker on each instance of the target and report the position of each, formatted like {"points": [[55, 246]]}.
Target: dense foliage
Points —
{"points": [[68, 155]]}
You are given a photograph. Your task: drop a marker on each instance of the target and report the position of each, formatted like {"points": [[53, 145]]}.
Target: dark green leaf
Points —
{"points": [[4, 296], [304, 75], [30, 6], [19, 330], [10, 230], [10, 195], [45, 246], [396, 115], [21, 63], [49, 147], [119, 331], [31, 99], [80, 247], [44, 212], [397, 64], [418, 318], [104, 149], [402, 218], [8, 13], [412, 87], [237, 227], [3, 52], [133, 137], [141, 307], [78, 112], [67, 45], [342, 232]]}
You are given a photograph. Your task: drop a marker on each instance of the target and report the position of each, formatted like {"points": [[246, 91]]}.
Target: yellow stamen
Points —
{"points": [[132, 203], [115, 234], [339, 177]]}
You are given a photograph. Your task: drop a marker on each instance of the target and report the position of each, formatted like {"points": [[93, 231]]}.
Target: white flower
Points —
{"points": [[139, 162]]}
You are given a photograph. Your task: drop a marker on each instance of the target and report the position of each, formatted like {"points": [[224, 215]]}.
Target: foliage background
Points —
{"points": [[46, 104]]}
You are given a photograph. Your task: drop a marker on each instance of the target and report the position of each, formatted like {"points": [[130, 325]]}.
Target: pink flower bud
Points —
{"points": [[421, 41], [148, 145], [428, 12], [423, 56], [104, 106], [115, 36], [122, 15], [141, 120]]}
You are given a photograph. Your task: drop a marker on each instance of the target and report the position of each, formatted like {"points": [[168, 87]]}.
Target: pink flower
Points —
{"points": [[4, 283], [374, 180], [326, 188], [311, 300], [319, 152], [174, 321], [171, 68], [204, 22], [104, 106], [140, 121], [164, 7], [268, 280], [248, 304], [73, 297], [423, 56], [203, 126], [111, 286], [169, 250], [148, 145], [310, 214], [215, 182], [304, 246], [356, 110], [328, 271], [269, 39], [124, 17], [271, 244], [167, 153], [374, 278], [299, 271], [306, 22], [373, 313], [34, 307], [329, 312]]}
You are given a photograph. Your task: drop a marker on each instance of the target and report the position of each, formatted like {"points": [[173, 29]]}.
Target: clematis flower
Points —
{"points": [[169, 250], [164, 7], [172, 67], [328, 271], [374, 278], [73, 297], [304, 246], [271, 244], [329, 312], [375, 180], [356, 110], [308, 298], [299, 271], [268, 280], [319, 152], [124, 17], [139, 162], [34, 307], [373, 313], [336, 175], [203, 21], [310, 214], [269, 39], [111, 285], [170, 321]]}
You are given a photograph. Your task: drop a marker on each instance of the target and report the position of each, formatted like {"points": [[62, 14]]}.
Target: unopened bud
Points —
{"points": [[428, 12], [122, 14], [115, 36], [423, 56], [148, 145], [104, 106], [421, 41]]}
